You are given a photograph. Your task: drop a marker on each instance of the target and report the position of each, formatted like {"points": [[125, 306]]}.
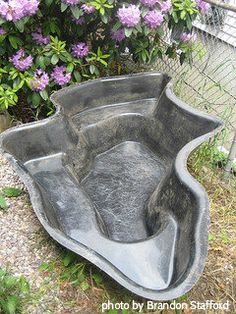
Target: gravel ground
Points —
{"points": [[25, 246]]}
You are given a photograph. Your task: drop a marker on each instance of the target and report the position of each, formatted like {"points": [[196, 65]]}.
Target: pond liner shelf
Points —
{"points": [[108, 179]]}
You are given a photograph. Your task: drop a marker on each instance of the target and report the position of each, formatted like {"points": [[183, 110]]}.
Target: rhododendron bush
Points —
{"points": [[48, 44]]}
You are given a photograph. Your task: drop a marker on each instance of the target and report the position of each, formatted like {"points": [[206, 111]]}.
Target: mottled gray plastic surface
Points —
{"points": [[108, 180]]}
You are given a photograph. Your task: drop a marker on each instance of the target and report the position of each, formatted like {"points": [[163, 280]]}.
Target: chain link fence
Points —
{"points": [[209, 84]]}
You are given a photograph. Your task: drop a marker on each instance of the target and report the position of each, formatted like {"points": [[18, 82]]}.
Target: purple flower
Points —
{"points": [[88, 8], [71, 2], [30, 7], [149, 3], [79, 21], [165, 6], [202, 6], [60, 76], [39, 38], [80, 50], [14, 10], [118, 35], [2, 31], [129, 16], [186, 37], [20, 62], [40, 81], [153, 19]]}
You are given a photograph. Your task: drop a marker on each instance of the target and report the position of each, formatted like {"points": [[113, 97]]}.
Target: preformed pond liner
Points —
{"points": [[108, 179]]}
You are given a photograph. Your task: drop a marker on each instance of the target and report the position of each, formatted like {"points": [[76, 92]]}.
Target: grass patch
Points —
{"points": [[8, 192], [14, 291]]}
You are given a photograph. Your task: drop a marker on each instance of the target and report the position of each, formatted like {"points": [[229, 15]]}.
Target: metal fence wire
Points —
{"points": [[210, 82]]}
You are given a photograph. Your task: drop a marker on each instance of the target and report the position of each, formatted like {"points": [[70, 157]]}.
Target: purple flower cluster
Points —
{"points": [[202, 6], [2, 31], [149, 3], [129, 16], [88, 9], [40, 81], [118, 35], [71, 2], [80, 50], [60, 76], [14, 10], [165, 6], [20, 61], [153, 19], [39, 38]]}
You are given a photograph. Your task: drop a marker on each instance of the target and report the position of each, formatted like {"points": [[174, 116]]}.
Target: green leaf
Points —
{"points": [[20, 25], [2, 21], [99, 52], [102, 11], [160, 31], [44, 94], [13, 41], [211, 237], [146, 30], [103, 62], [3, 203], [70, 67], [44, 266], [40, 62], [98, 278], [63, 7], [54, 59], [116, 26], [84, 285], [175, 17], [105, 56], [104, 19], [77, 12], [69, 258], [144, 55], [10, 305], [36, 100], [2, 38], [49, 2], [182, 15], [139, 27], [77, 76], [67, 55], [92, 69], [128, 32], [24, 285], [10, 282], [12, 192], [189, 22]]}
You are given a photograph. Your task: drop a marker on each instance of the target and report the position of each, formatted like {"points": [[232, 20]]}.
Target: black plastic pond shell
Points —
{"points": [[107, 178]]}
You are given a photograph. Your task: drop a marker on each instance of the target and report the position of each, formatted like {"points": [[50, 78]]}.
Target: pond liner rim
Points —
{"points": [[180, 166]]}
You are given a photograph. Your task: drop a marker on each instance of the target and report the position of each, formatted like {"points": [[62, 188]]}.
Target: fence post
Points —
{"points": [[232, 155]]}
